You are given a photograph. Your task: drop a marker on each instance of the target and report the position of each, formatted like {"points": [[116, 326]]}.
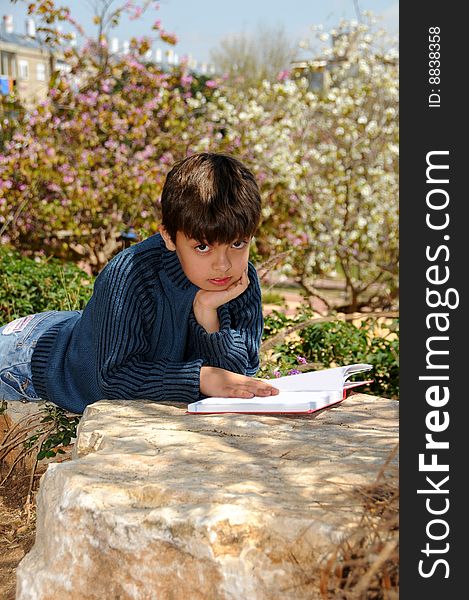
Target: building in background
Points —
{"points": [[25, 64], [316, 72]]}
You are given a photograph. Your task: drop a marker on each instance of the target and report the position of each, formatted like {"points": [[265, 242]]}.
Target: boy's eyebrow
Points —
{"points": [[241, 238]]}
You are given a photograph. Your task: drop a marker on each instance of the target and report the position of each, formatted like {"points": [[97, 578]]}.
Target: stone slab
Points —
{"points": [[159, 504]]}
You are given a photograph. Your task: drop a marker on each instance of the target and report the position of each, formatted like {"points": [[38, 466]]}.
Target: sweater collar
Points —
{"points": [[173, 269]]}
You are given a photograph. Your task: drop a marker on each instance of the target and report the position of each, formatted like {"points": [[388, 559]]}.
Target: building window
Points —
{"points": [[8, 63], [41, 72], [23, 71]]}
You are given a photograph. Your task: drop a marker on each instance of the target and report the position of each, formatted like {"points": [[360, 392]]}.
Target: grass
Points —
{"points": [[272, 297]]}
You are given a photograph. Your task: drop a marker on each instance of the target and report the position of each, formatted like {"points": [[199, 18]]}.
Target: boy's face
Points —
{"points": [[210, 267]]}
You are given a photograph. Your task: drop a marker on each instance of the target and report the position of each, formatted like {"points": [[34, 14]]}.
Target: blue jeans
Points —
{"points": [[17, 342]]}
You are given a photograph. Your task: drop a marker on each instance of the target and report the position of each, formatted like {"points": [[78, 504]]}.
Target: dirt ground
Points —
{"points": [[17, 530]]}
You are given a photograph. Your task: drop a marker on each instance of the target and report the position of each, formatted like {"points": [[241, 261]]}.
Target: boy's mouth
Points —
{"points": [[221, 281]]}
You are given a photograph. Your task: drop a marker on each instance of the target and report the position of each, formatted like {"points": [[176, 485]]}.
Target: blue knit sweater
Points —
{"points": [[138, 338]]}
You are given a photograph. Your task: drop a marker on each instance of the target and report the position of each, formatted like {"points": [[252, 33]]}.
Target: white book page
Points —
{"points": [[326, 379], [350, 370]]}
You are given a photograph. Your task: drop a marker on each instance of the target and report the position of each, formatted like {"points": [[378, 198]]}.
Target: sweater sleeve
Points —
{"points": [[123, 319], [235, 347]]}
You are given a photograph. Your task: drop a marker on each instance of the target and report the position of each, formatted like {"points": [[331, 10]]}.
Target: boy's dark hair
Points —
{"points": [[211, 197]]}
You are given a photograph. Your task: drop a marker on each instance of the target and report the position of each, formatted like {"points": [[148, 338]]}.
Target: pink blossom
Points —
{"points": [[138, 10], [152, 104], [186, 80], [210, 83], [301, 359], [277, 373], [283, 75], [166, 158], [111, 144]]}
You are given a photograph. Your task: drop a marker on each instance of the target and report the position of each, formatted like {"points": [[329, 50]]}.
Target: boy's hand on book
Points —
{"points": [[225, 384]]}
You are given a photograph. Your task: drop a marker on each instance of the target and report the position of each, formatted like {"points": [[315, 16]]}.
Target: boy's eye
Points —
{"points": [[202, 248], [239, 244]]}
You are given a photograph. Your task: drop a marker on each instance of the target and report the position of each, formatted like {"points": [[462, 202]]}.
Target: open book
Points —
{"points": [[303, 393]]}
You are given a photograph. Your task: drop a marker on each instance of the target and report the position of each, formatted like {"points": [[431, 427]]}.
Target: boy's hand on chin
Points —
{"points": [[208, 300], [225, 384]]}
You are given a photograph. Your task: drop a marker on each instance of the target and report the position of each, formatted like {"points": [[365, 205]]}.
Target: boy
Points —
{"points": [[173, 317]]}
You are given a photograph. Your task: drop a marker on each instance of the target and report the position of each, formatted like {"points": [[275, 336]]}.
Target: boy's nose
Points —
{"points": [[221, 262]]}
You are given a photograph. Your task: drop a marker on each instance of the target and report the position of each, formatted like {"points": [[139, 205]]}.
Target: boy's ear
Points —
{"points": [[167, 239]]}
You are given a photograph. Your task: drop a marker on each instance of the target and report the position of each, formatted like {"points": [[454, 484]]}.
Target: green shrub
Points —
{"points": [[339, 343], [28, 287]]}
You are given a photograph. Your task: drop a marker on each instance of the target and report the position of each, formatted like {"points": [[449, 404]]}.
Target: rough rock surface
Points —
{"points": [[14, 413], [159, 504]]}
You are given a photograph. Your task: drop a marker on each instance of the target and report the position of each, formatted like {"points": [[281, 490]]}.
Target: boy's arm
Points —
{"points": [[235, 346], [122, 316]]}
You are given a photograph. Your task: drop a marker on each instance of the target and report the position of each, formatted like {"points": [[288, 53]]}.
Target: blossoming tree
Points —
{"points": [[91, 159], [327, 163]]}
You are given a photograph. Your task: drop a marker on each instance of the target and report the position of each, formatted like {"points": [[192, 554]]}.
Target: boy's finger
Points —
{"points": [[241, 393], [262, 389]]}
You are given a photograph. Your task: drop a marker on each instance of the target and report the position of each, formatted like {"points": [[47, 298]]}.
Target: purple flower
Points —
{"points": [[294, 372], [301, 359], [210, 83], [277, 373]]}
